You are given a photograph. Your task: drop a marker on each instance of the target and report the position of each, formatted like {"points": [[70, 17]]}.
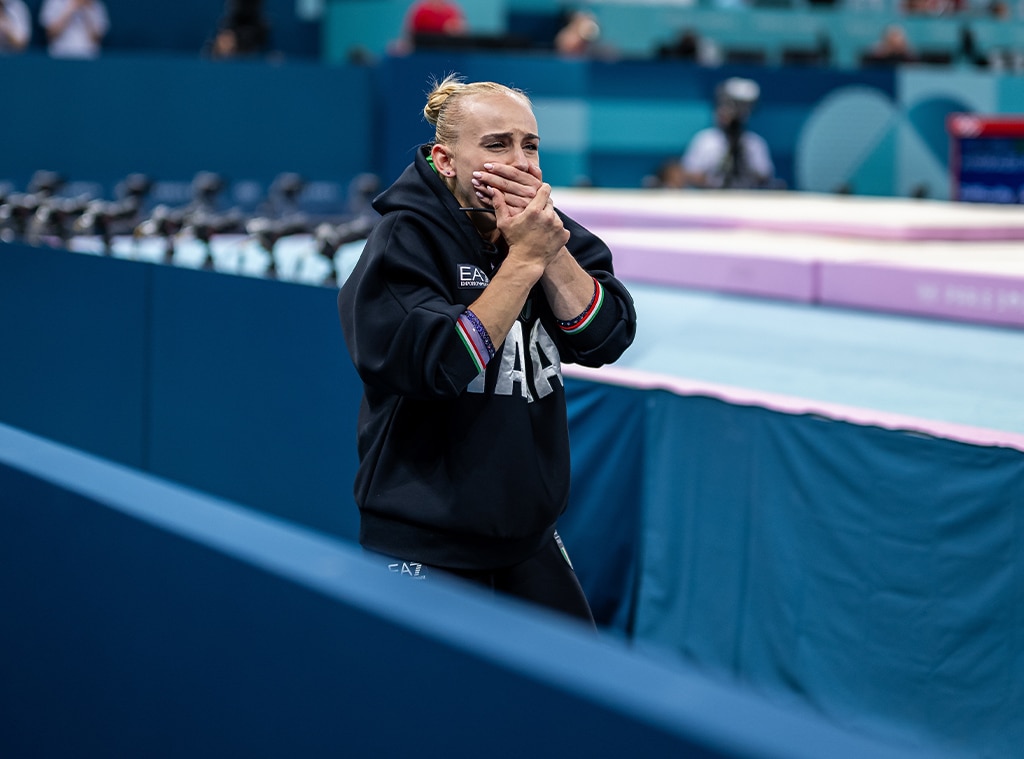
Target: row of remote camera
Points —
{"points": [[277, 240]]}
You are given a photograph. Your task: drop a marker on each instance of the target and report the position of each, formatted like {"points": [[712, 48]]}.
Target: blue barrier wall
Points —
{"points": [[875, 572], [871, 573], [242, 387], [144, 619], [237, 386]]}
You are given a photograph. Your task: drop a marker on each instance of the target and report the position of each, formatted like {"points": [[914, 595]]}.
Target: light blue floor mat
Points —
{"points": [[943, 371]]}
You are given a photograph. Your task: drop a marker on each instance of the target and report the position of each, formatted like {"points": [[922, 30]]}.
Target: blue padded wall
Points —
{"points": [[74, 348], [866, 571], [141, 619], [234, 385]]}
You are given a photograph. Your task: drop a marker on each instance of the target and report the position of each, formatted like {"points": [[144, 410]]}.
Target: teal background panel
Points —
{"points": [[874, 175], [992, 34], [664, 127], [563, 123], [606, 165], [356, 26], [1009, 96], [563, 169], [676, 82], [841, 135], [925, 100], [373, 26]]}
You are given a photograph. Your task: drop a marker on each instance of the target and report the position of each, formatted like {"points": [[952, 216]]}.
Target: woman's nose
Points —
{"points": [[520, 161]]}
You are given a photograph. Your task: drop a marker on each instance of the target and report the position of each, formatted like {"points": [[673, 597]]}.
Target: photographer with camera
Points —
{"points": [[728, 155]]}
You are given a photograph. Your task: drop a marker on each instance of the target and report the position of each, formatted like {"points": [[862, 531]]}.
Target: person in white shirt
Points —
{"points": [[728, 155], [75, 28], [15, 26]]}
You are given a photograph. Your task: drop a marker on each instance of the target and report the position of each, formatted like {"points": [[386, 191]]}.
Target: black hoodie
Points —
{"points": [[461, 468]]}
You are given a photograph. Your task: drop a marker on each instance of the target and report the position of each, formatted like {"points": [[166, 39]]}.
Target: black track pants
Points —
{"points": [[546, 578]]}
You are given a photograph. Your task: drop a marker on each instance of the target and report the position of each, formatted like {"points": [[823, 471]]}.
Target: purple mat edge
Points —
{"points": [[937, 293], [631, 220]]}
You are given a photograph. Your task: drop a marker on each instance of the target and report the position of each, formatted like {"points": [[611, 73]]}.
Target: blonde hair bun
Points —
{"points": [[442, 110]]}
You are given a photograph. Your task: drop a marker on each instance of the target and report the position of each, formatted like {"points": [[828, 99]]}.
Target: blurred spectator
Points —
{"points": [[428, 21], [969, 52], [933, 7], [670, 176], [876, 6], [1001, 10], [243, 31], [578, 37], [892, 48], [74, 28], [688, 45], [15, 26], [728, 155], [685, 46], [434, 17]]}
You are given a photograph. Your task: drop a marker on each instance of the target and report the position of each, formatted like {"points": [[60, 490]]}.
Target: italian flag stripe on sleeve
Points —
{"points": [[473, 341], [584, 319]]}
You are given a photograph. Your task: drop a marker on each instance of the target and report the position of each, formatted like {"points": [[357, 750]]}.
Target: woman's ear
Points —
{"points": [[442, 161]]}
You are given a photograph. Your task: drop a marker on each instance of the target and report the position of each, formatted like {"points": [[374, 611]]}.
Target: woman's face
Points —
{"points": [[496, 128]]}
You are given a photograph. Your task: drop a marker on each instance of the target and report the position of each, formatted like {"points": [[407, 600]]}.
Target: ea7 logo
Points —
{"points": [[472, 276], [410, 568]]}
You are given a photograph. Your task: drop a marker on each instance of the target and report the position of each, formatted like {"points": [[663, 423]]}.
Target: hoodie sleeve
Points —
{"points": [[607, 327], [401, 327]]}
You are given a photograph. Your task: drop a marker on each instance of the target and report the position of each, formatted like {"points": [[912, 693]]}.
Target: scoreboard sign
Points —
{"points": [[986, 161]]}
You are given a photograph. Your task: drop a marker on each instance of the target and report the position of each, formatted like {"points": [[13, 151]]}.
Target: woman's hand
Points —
{"points": [[518, 187], [535, 233]]}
